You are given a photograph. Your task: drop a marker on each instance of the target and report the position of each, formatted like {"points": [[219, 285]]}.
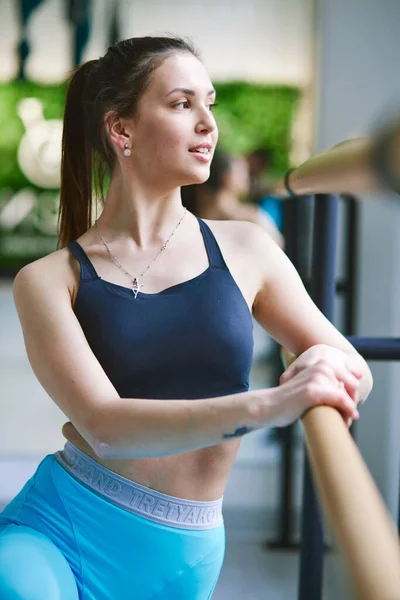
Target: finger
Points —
{"points": [[343, 387], [354, 367], [356, 372], [337, 397], [357, 398], [348, 421], [346, 391], [347, 377], [289, 373], [349, 409], [350, 382]]}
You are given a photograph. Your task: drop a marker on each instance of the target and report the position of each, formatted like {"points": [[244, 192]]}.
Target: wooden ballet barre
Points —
{"points": [[363, 527], [351, 167]]}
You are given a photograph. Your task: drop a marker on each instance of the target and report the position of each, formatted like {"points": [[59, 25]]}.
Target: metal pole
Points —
{"points": [[351, 262], [297, 218], [285, 435], [376, 348], [398, 515]]}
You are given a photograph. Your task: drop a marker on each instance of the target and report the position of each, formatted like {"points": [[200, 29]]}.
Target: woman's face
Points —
{"points": [[174, 117]]}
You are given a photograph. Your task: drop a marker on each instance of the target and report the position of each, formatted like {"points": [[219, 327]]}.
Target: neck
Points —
{"points": [[141, 213]]}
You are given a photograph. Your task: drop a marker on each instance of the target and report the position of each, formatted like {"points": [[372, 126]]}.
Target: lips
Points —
{"points": [[201, 148]]}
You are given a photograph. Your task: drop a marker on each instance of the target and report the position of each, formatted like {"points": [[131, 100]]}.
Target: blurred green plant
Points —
{"points": [[249, 116], [12, 128], [252, 116]]}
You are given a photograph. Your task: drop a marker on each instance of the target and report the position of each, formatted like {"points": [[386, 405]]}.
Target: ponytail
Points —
{"points": [[75, 209]]}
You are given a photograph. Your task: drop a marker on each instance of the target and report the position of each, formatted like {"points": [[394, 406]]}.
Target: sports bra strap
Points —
{"points": [[213, 250], [87, 269]]}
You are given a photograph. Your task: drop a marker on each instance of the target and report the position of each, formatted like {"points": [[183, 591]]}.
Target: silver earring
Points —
{"points": [[127, 151]]}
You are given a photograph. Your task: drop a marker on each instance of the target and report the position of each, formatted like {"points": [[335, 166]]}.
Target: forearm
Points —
{"points": [[136, 428]]}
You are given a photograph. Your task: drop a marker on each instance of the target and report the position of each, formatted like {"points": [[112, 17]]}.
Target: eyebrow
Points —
{"points": [[189, 92]]}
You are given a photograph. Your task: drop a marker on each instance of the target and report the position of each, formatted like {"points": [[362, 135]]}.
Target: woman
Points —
{"points": [[139, 328], [220, 197]]}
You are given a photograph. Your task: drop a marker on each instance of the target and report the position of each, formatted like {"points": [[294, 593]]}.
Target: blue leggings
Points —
{"points": [[59, 540]]}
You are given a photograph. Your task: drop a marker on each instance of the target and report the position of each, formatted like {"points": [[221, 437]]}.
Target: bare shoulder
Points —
{"points": [[249, 239], [248, 252], [234, 231], [55, 271]]}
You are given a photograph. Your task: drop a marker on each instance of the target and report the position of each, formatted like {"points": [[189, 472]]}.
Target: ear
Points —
{"points": [[119, 130]]}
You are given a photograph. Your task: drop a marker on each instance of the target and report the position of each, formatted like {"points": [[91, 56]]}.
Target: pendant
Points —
{"points": [[136, 286]]}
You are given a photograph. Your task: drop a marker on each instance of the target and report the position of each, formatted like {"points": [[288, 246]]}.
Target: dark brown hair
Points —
{"points": [[114, 82]]}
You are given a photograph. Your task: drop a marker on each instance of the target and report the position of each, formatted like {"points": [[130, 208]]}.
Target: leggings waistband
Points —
{"points": [[136, 498]]}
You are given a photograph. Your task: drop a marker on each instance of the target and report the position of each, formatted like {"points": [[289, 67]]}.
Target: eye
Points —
{"points": [[183, 104], [212, 106]]}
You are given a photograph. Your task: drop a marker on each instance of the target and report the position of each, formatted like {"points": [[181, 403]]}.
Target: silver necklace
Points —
{"points": [[136, 285]]}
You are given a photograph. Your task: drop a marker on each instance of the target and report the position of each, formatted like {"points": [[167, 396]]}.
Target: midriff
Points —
{"points": [[197, 475]]}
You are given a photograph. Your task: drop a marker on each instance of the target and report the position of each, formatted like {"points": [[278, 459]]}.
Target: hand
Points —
{"points": [[315, 385], [345, 367]]}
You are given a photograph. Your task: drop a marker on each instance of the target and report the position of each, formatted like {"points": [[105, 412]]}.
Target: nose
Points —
{"points": [[206, 122]]}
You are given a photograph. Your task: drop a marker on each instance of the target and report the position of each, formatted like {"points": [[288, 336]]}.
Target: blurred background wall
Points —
{"points": [[234, 37]]}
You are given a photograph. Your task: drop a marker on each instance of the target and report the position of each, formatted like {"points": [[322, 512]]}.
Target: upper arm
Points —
{"points": [[58, 351], [283, 307]]}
